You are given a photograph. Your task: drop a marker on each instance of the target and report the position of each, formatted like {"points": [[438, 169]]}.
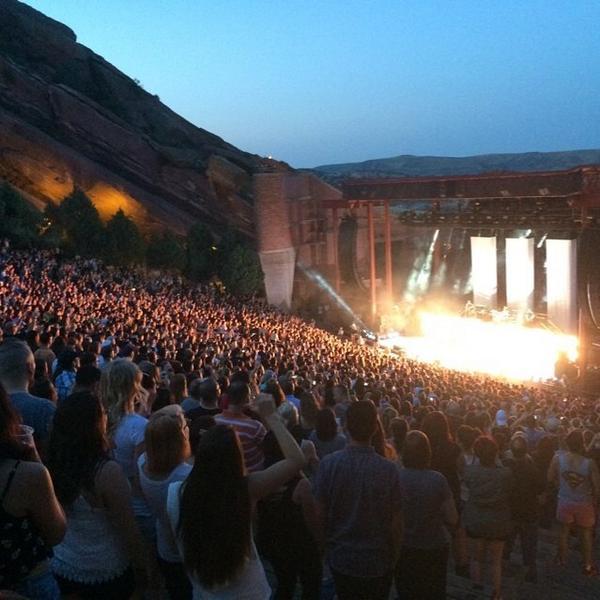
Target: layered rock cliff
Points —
{"points": [[70, 119]]}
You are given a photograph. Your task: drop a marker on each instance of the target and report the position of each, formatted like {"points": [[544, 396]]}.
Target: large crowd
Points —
{"points": [[164, 439]]}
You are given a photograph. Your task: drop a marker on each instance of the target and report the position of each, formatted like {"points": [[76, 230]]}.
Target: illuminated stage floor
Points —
{"points": [[506, 350]]}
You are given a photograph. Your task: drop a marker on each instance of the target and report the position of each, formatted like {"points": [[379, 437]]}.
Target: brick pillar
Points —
{"points": [[275, 249], [389, 288], [372, 266]]}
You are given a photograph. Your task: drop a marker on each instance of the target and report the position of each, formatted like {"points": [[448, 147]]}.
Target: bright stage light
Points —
{"points": [[326, 287], [471, 345], [418, 280]]}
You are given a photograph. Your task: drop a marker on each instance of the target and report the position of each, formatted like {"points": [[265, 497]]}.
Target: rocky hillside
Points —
{"points": [[70, 119], [431, 166]]}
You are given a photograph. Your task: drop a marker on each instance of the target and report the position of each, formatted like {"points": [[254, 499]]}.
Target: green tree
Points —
{"points": [[124, 244], [19, 221], [228, 240], [51, 234], [79, 225], [240, 270], [200, 253], [165, 251]]}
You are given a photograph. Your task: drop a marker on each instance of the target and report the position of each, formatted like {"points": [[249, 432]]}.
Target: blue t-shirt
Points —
{"points": [[325, 448], [293, 400], [189, 404], [425, 491], [35, 412], [361, 494]]}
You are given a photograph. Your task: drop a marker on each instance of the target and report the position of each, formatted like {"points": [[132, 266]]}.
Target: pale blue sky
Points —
{"points": [[313, 82]]}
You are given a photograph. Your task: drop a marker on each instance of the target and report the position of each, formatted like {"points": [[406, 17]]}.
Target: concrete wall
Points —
{"points": [[291, 226]]}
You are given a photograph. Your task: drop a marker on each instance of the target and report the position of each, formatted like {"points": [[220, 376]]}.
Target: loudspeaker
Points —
{"points": [[346, 249]]}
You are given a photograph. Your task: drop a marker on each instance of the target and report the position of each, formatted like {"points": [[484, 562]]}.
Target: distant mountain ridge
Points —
{"points": [[408, 165]]}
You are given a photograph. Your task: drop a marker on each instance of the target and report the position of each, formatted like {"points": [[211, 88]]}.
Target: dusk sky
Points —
{"points": [[315, 82]]}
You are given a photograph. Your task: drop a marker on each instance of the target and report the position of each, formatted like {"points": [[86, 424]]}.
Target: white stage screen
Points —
{"points": [[519, 273], [484, 275], [561, 283]]}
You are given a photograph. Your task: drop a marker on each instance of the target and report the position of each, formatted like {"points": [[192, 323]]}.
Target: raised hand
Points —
{"points": [[265, 404]]}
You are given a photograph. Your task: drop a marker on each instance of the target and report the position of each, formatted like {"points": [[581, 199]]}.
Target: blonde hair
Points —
{"points": [[166, 443], [288, 413], [118, 387]]}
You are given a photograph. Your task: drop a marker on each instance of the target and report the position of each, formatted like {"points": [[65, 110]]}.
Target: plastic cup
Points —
{"points": [[25, 435]]}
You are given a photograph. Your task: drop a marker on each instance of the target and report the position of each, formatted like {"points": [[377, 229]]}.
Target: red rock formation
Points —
{"points": [[69, 118]]}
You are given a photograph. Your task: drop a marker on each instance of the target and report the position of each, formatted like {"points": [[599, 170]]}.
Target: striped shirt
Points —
{"points": [[251, 434]]}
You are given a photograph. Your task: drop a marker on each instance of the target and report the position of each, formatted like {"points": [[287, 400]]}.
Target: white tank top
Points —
{"points": [[252, 582], [92, 551]]}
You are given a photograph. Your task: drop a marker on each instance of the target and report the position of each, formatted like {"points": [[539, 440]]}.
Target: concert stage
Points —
{"points": [[521, 247], [526, 241], [501, 348]]}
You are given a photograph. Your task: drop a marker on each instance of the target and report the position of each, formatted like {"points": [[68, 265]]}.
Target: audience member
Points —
{"points": [[65, 373], [119, 386], [325, 436], [529, 483], [428, 510], [102, 554], [251, 432], [17, 368], [31, 516], [211, 512], [163, 463], [487, 515], [359, 497], [578, 485], [205, 394]]}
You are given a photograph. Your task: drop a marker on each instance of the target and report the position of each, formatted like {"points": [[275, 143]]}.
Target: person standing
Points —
{"points": [[17, 369], [211, 512], [446, 458], [44, 352], [358, 498], [529, 483], [204, 399], [102, 554], [325, 436], [578, 485], [287, 385], [487, 515], [66, 373], [163, 463], [283, 535], [251, 432], [119, 387], [445, 452], [429, 510], [32, 520]]}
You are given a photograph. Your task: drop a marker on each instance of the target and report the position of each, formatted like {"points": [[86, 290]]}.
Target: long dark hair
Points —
{"points": [[399, 428], [435, 427], [416, 453], [215, 513], [9, 428], [326, 425], [78, 445]]}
